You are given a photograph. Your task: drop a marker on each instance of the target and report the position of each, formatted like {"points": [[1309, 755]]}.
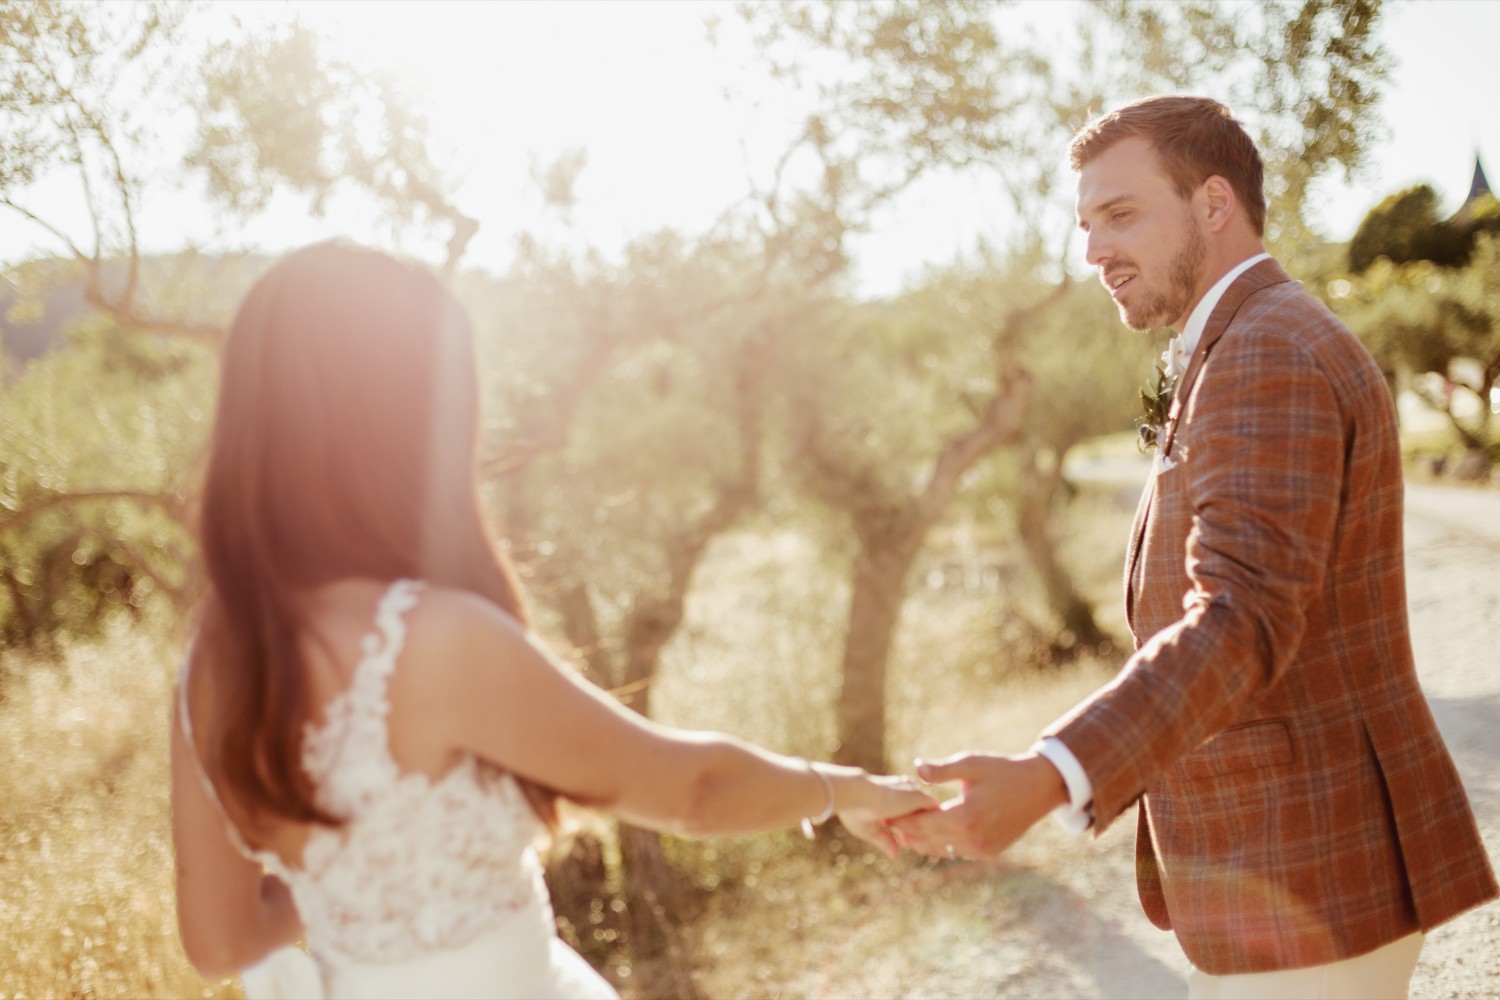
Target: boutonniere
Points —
{"points": [[1156, 394], [1156, 403]]}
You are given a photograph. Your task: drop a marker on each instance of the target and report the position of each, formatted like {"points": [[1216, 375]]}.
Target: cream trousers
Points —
{"points": [[1383, 974]]}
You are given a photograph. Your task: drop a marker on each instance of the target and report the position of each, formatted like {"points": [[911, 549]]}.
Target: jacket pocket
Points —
{"points": [[1252, 746]]}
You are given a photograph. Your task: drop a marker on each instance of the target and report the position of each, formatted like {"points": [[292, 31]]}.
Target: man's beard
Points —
{"points": [[1171, 303]]}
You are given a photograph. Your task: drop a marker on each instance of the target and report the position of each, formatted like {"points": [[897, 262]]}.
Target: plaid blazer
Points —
{"points": [[1299, 805]]}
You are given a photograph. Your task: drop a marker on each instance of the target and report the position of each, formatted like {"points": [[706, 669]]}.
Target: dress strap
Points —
{"points": [[381, 647], [235, 837], [350, 756]]}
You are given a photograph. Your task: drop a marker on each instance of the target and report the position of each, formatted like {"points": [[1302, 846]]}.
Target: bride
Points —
{"points": [[367, 737]]}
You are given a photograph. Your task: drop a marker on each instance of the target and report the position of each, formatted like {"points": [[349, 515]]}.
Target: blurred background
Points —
{"points": [[804, 418]]}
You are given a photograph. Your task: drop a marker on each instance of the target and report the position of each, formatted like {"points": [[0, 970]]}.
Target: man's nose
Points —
{"points": [[1096, 249]]}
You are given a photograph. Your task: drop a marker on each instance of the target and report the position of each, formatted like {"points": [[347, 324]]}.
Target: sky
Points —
{"points": [[640, 89]]}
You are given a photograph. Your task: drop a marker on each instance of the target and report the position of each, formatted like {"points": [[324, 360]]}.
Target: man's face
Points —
{"points": [[1141, 235]]}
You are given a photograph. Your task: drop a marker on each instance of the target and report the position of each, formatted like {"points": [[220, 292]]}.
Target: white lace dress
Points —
{"points": [[431, 888]]}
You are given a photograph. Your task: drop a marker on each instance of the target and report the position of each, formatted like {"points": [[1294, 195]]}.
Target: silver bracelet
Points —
{"points": [[808, 822]]}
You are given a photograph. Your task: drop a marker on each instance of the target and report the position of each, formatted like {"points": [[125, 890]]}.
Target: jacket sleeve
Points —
{"points": [[1262, 449]]}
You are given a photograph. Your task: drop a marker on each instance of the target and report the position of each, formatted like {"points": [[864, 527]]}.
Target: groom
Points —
{"points": [[1301, 823]]}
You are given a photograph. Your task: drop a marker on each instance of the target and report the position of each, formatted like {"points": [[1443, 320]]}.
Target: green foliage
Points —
{"points": [[1438, 328], [1405, 227], [929, 81], [98, 443], [276, 110], [901, 90], [63, 62], [97, 437], [874, 390], [921, 365], [1156, 404], [622, 428], [904, 88], [85, 93], [1087, 367]]}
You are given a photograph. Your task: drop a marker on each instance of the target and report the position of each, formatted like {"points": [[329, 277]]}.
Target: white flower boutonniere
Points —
{"points": [[1174, 360], [1156, 394]]}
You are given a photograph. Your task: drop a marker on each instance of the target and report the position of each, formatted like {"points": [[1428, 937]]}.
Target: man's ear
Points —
{"points": [[1219, 203]]}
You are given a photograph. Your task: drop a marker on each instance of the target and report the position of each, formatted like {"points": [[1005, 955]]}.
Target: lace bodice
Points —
{"points": [[420, 865]]}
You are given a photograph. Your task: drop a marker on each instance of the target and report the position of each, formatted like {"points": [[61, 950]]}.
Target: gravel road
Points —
{"points": [[1453, 576]]}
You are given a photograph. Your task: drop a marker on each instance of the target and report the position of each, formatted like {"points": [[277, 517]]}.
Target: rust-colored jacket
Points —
{"points": [[1299, 805]]}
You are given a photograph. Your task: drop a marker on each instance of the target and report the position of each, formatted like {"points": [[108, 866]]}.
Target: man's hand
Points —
{"points": [[1002, 797], [867, 802]]}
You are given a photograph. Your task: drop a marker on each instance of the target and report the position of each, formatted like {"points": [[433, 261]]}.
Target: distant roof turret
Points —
{"points": [[1480, 185]]}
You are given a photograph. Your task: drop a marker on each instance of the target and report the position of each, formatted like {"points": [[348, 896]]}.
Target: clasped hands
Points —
{"points": [[1000, 798]]}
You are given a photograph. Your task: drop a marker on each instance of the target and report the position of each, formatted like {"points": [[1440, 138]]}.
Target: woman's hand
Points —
{"points": [[863, 802]]}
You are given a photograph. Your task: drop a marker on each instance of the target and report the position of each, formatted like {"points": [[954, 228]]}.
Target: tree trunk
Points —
{"points": [[581, 626], [650, 887], [654, 935], [880, 572], [1486, 388], [578, 883], [1444, 405], [1078, 631], [652, 890], [1035, 499], [890, 536]]}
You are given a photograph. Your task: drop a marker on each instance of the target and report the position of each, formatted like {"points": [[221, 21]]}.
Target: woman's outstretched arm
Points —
{"points": [[474, 670]]}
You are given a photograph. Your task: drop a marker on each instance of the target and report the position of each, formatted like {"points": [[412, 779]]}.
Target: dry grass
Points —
{"points": [[788, 919], [86, 896]]}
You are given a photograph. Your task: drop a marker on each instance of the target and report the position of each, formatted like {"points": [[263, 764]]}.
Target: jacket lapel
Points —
{"points": [[1137, 530], [1262, 275]]}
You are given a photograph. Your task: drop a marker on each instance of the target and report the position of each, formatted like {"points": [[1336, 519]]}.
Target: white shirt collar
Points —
{"points": [[1192, 330]]}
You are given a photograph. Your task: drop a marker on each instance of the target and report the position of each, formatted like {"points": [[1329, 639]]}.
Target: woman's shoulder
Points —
{"points": [[444, 610], [424, 628], [456, 631]]}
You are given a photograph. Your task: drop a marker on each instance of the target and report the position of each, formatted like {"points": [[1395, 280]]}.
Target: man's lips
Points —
{"points": [[1117, 282]]}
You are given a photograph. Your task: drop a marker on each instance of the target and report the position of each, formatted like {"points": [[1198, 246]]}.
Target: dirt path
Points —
{"points": [[1453, 576], [1097, 942]]}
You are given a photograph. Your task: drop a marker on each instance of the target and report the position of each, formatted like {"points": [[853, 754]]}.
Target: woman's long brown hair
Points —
{"points": [[343, 446]]}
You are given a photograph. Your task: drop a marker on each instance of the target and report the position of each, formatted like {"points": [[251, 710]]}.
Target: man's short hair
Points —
{"points": [[1196, 138]]}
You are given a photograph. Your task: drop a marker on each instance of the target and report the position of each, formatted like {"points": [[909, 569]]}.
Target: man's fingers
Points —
{"points": [[995, 807], [959, 767], [897, 835], [930, 832], [878, 835], [918, 823]]}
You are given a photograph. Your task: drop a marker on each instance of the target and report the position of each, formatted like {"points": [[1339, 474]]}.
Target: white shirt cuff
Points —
{"points": [[1074, 815]]}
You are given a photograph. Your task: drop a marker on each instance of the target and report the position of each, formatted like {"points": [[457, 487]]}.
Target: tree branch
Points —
{"points": [[162, 501], [1004, 413], [38, 220], [130, 319]]}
